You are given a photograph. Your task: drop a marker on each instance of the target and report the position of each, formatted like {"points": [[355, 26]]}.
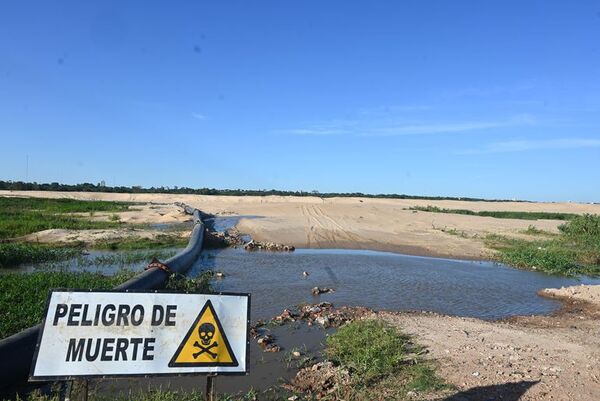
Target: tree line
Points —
{"points": [[89, 187]]}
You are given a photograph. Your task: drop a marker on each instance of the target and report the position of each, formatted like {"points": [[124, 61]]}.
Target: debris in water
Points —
{"points": [[322, 290], [268, 246]]}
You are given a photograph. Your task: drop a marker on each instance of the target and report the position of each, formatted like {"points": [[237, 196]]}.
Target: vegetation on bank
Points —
{"points": [[22, 216], [152, 395], [13, 253], [131, 243], [499, 214], [23, 296], [574, 251], [382, 362], [88, 187]]}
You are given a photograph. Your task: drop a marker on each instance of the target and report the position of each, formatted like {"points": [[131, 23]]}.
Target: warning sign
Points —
{"points": [[205, 344], [111, 333]]}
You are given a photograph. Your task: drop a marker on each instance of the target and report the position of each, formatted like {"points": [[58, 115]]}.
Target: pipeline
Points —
{"points": [[16, 351]]}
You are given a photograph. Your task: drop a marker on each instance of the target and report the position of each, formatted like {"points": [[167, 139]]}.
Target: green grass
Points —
{"points": [[575, 251], [151, 395], [22, 216], [14, 254], [499, 214], [533, 230], [200, 284], [23, 296], [381, 361], [131, 243]]}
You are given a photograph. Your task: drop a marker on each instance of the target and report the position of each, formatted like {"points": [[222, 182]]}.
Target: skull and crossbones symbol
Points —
{"points": [[206, 331]]}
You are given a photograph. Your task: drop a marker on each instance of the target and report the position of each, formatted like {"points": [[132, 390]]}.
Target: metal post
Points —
{"points": [[85, 389], [210, 388]]}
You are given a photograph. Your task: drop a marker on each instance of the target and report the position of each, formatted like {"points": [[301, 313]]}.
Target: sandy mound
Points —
{"points": [[589, 293], [62, 236]]}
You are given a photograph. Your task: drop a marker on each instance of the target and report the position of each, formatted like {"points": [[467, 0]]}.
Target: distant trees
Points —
{"points": [[100, 187]]}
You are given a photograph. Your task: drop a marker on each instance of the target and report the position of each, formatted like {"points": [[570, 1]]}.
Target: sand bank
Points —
{"points": [[359, 223]]}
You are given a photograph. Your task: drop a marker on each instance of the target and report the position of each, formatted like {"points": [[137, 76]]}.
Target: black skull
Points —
{"points": [[206, 331]]}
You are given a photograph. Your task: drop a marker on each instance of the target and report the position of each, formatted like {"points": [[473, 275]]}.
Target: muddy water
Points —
{"points": [[266, 370], [374, 279], [381, 280]]}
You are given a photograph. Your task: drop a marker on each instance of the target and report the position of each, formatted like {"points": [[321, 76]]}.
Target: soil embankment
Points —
{"points": [[538, 358]]}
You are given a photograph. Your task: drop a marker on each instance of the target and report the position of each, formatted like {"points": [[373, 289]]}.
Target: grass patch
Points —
{"points": [[160, 241], [533, 230], [14, 254], [383, 363], [23, 296], [22, 216], [575, 251], [499, 214], [151, 395], [200, 284]]}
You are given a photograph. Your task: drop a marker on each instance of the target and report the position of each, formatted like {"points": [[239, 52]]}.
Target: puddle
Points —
{"points": [[381, 280]]}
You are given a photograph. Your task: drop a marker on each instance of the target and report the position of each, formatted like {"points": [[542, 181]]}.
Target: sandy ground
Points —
{"points": [[61, 236], [527, 358], [588, 293], [381, 224]]}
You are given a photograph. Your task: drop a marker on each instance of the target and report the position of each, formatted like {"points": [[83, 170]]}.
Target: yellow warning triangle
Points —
{"points": [[205, 343]]}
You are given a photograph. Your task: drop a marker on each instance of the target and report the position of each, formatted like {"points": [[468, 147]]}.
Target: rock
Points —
{"points": [[296, 354], [265, 340], [323, 321], [305, 274], [272, 348], [324, 290], [293, 398], [219, 274], [286, 316]]}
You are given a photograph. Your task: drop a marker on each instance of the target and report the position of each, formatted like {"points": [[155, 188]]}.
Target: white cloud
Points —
{"points": [[198, 116], [395, 127], [539, 144]]}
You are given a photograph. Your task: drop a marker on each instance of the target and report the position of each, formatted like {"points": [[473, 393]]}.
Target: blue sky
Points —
{"points": [[462, 98]]}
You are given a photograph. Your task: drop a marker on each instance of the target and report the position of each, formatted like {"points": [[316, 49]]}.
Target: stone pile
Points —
{"points": [[215, 239], [268, 246]]}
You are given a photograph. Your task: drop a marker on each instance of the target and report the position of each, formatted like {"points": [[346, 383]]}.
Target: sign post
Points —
{"points": [[117, 334]]}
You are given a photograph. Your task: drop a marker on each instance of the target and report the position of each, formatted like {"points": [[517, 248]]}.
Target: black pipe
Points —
{"points": [[16, 351]]}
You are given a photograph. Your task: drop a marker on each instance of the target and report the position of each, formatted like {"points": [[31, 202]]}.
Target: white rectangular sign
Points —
{"points": [[141, 333]]}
